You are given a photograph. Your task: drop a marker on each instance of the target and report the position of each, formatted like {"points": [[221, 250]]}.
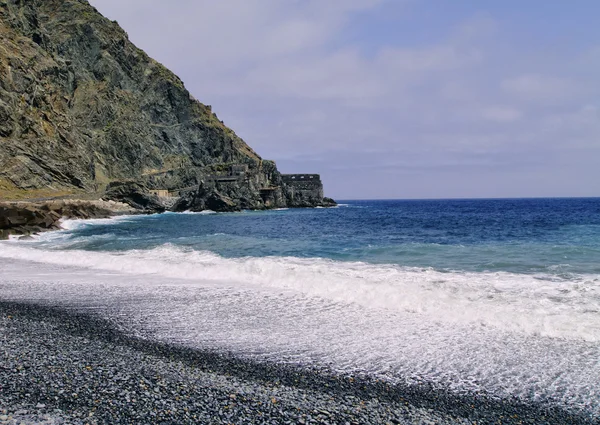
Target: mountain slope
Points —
{"points": [[81, 106]]}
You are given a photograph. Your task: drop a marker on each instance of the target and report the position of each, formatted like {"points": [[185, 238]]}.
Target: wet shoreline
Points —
{"points": [[46, 350]]}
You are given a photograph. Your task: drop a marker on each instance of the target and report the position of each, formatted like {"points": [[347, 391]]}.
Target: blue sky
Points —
{"points": [[395, 98]]}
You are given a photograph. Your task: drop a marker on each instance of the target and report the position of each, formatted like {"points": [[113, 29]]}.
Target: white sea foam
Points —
{"points": [[530, 304], [507, 333], [73, 224]]}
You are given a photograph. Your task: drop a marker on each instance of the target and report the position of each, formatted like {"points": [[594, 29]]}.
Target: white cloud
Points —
{"points": [[292, 78], [502, 114], [541, 87]]}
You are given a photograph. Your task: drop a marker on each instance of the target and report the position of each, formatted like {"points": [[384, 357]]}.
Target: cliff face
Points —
{"points": [[81, 107]]}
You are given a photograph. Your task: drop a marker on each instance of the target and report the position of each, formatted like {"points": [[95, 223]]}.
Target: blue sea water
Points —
{"points": [[501, 295], [559, 237]]}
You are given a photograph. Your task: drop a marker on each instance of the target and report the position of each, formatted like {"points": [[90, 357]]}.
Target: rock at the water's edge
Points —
{"points": [[136, 195], [29, 218]]}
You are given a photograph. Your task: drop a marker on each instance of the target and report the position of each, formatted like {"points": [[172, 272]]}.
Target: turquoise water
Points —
{"points": [[559, 237]]}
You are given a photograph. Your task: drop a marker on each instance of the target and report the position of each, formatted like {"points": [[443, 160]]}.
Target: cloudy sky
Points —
{"points": [[395, 98]]}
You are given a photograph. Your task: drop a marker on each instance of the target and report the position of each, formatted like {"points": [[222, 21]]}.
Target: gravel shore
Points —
{"points": [[58, 367]]}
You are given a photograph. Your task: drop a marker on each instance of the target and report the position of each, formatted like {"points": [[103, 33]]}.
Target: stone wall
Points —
{"points": [[301, 178], [302, 190]]}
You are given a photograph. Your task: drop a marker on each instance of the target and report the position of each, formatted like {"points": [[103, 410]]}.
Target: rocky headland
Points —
{"points": [[26, 218], [85, 113]]}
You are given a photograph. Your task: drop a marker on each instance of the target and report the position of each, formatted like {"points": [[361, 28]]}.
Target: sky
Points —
{"points": [[395, 99]]}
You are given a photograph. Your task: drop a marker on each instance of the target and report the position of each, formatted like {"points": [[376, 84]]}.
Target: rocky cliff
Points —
{"points": [[82, 108], [26, 218]]}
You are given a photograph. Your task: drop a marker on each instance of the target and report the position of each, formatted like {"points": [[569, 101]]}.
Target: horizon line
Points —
{"points": [[468, 199]]}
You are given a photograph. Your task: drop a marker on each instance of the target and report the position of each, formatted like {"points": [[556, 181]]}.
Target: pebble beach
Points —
{"points": [[63, 367]]}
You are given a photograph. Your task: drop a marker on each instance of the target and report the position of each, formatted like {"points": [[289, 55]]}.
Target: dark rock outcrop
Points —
{"points": [[287, 190], [134, 194], [328, 202], [27, 218], [207, 197], [304, 190], [82, 109]]}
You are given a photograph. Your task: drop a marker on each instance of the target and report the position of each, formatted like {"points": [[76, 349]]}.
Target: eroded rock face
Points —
{"points": [[291, 190], [83, 110], [81, 106], [134, 194], [208, 197]]}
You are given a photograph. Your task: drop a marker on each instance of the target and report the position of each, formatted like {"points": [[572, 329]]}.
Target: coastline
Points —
{"points": [[25, 218], [62, 365]]}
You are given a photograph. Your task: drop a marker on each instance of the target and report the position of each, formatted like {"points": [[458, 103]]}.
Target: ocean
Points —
{"points": [[495, 296]]}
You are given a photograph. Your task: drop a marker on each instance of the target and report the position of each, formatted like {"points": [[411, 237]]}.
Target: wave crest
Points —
{"points": [[531, 304]]}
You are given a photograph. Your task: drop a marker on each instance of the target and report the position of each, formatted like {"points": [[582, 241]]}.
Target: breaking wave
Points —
{"points": [[530, 304]]}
